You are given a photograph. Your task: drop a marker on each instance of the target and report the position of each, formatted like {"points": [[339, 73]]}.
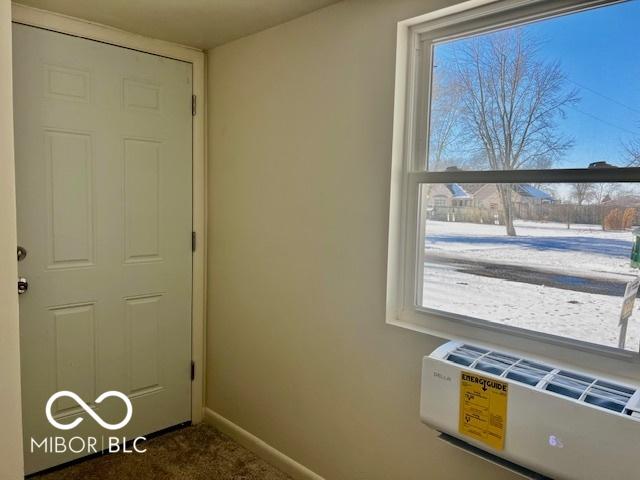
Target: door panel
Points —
{"points": [[141, 200], [69, 181], [103, 177]]}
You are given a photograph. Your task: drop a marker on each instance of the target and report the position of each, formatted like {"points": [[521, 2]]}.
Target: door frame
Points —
{"points": [[93, 31]]}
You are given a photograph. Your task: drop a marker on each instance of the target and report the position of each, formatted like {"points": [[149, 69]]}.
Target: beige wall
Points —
{"points": [[298, 350], [10, 419]]}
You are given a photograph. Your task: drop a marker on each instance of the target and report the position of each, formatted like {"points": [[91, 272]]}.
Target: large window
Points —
{"points": [[521, 168]]}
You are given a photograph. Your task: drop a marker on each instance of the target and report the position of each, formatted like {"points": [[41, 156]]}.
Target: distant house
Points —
{"points": [[448, 195], [533, 194], [486, 196]]}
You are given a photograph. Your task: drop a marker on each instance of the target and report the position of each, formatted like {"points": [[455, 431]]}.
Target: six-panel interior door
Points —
{"points": [[104, 193]]}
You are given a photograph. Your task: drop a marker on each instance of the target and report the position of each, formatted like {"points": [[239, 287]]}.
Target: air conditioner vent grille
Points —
{"points": [[460, 359], [613, 388], [528, 372], [570, 384], [604, 403], [609, 395]]}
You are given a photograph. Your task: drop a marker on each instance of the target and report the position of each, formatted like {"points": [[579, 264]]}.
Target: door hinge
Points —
{"points": [[193, 370], [193, 105], [193, 241]]}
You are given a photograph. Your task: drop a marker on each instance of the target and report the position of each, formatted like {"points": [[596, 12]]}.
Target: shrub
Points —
{"points": [[613, 220], [628, 217]]}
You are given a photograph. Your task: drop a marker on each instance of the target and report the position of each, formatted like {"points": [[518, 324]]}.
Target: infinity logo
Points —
{"points": [[89, 410]]}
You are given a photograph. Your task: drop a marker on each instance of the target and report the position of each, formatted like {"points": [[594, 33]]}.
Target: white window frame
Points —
{"points": [[414, 40]]}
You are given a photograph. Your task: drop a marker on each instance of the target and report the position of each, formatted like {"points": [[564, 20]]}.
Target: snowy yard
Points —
{"points": [[550, 279]]}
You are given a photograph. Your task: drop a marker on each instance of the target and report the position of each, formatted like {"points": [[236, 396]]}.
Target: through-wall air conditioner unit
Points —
{"points": [[539, 420]]}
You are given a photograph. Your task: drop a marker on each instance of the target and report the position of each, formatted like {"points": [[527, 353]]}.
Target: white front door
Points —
{"points": [[104, 194]]}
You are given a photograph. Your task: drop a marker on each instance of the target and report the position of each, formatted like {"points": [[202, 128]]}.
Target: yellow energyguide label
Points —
{"points": [[483, 409]]}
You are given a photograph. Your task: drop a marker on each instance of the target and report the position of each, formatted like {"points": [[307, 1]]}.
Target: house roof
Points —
{"points": [[457, 191], [471, 190], [527, 190]]}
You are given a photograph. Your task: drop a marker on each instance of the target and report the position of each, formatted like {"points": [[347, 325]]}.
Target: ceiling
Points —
{"points": [[198, 23]]}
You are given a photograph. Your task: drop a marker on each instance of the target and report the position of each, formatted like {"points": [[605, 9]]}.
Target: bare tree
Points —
{"points": [[632, 150], [583, 192], [443, 125], [510, 101], [605, 191]]}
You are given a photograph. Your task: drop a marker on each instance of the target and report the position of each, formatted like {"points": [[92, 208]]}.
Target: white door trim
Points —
{"points": [[93, 31]]}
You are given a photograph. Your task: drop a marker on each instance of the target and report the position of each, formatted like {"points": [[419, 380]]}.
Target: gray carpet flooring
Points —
{"points": [[193, 453]]}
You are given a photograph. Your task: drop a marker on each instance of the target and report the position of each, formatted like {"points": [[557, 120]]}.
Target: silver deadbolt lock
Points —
{"points": [[23, 285], [22, 253]]}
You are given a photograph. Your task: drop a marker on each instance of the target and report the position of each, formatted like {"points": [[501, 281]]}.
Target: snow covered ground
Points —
{"points": [[583, 248], [584, 251]]}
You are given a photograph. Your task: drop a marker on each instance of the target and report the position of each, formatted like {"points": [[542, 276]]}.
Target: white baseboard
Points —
{"points": [[260, 448]]}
